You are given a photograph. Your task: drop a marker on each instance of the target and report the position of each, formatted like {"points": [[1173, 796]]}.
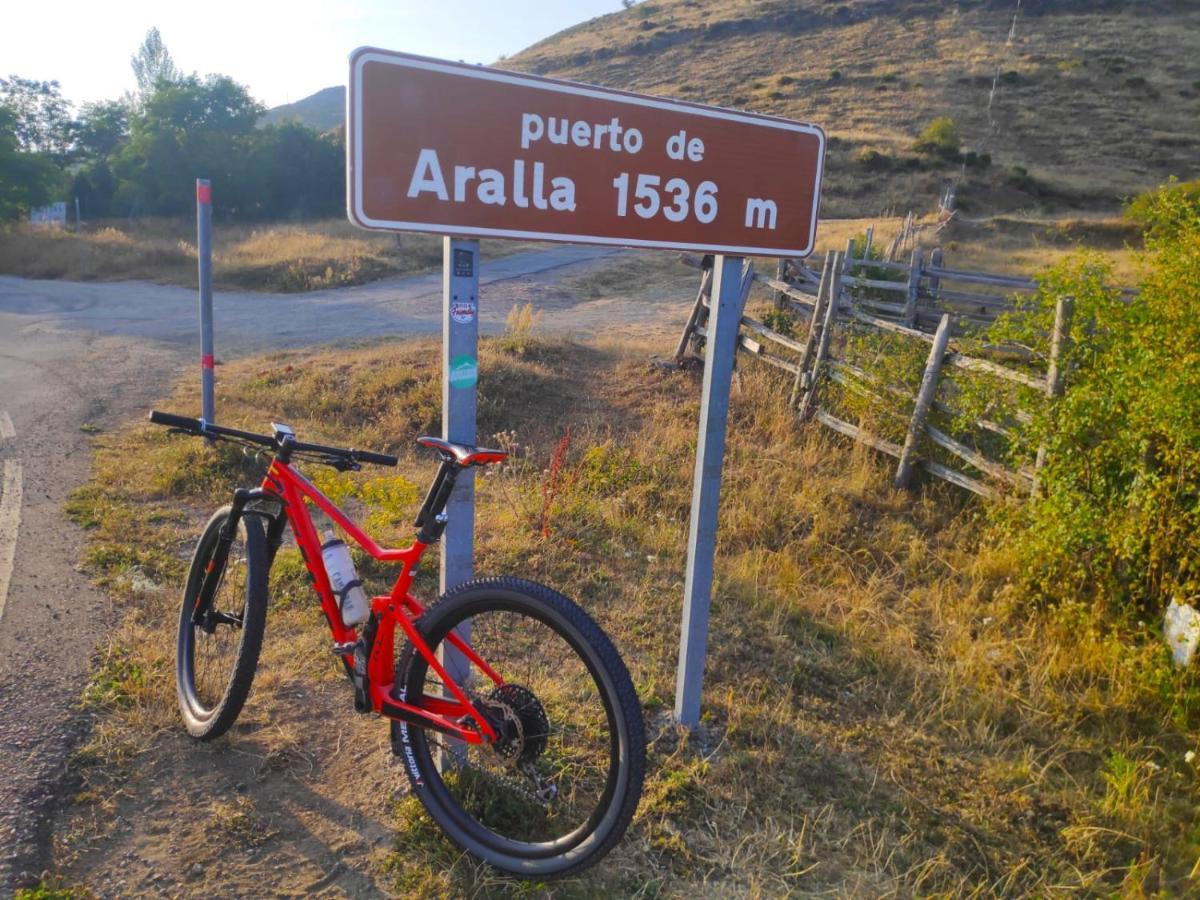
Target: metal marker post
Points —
{"points": [[460, 371], [204, 255], [725, 315]]}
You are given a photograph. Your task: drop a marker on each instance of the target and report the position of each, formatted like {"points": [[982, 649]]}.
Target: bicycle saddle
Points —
{"points": [[463, 454]]}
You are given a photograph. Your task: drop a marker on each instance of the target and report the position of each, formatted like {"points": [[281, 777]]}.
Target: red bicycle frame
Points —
{"points": [[397, 607]]}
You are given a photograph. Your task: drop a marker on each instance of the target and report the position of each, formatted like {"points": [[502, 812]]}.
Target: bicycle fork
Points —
{"points": [[215, 570]]}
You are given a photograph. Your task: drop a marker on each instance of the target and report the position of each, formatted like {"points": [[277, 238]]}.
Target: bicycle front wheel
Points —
{"points": [[559, 787], [219, 642]]}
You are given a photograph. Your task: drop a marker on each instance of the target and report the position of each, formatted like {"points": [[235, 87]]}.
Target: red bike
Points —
{"points": [[516, 719]]}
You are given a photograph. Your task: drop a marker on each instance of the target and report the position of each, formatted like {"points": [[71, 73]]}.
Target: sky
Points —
{"points": [[281, 51]]}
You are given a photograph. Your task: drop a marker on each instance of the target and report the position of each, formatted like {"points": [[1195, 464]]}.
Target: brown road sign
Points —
{"points": [[467, 150]]}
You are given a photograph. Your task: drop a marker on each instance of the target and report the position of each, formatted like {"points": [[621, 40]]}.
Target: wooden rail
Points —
{"points": [[829, 304]]}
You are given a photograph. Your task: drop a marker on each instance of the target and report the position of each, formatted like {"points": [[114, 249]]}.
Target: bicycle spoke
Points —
{"points": [[216, 638], [558, 787]]}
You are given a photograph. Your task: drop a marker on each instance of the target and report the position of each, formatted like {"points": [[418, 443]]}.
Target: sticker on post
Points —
{"points": [[464, 371], [464, 264], [463, 311]]}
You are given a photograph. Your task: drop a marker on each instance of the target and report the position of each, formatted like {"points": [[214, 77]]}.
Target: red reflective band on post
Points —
{"points": [[206, 362], [203, 193]]}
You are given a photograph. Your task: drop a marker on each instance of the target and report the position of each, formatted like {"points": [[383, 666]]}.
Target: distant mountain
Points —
{"points": [[323, 110]]}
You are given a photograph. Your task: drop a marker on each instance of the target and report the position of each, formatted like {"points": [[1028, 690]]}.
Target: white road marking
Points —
{"points": [[10, 521], [6, 427]]}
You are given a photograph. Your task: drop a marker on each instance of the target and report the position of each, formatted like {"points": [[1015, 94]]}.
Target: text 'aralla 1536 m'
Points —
{"points": [[457, 149]]}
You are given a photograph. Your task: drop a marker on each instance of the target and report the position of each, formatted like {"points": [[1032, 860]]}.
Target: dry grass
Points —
{"points": [[883, 715], [1097, 102], [282, 257]]}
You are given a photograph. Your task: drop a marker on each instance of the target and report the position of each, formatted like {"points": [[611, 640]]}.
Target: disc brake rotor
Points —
{"points": [[523, 728]]}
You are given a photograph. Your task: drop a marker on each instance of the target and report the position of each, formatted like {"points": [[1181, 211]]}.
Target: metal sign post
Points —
{"points": [[460, 372], [204, 256], [719, 352]]}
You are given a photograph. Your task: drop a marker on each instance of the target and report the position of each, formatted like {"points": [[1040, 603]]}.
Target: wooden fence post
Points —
{"points": [[780, 275], [813, 331], [834, 294], [925, 395], [1064, 311], [935, 282], [694, 318], [914, 283]]}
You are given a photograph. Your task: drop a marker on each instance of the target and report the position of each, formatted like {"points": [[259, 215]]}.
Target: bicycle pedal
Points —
{"points": [[343, 649]]}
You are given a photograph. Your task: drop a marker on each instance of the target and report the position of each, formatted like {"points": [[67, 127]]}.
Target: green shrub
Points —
{"points": [[1117, 517], [1167, 211], [872, 160], [780, 321], [940, 138]]}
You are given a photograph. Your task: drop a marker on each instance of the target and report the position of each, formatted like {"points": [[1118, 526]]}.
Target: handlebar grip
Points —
{"points": [[174, 421], [379, 459]]}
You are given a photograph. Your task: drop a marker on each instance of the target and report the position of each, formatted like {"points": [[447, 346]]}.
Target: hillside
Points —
{"points": [[1093, 101], [1078, 105], [323, 110]]}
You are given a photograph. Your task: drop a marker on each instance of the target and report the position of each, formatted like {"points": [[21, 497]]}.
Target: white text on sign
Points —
{"points": [[530, 185]]}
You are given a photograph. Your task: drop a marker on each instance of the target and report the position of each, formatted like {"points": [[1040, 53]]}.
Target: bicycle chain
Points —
{"points": [[527, 792], [543, 798]]}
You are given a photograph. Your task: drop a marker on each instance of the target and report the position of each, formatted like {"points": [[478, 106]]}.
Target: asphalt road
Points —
{"points": [[97, 353]]}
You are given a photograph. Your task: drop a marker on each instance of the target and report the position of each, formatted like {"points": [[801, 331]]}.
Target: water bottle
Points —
{"points": [[351, 598]]}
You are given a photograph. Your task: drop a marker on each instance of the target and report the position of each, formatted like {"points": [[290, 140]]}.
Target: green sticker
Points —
{"points": [[464, 370]]}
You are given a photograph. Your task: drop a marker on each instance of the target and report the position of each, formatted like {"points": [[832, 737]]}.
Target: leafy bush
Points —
{"points": [[780, 321], [1117, 517], [1168, 211], [872, 160], [940, 138]]}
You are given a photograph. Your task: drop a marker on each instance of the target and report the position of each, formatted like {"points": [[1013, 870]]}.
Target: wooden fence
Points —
{"points": [[926, 308]]}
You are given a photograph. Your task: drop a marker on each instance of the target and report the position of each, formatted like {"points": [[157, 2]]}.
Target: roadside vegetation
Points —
{"points": [[888, 707], [138, 155], [279, 257], [1117, 518]]}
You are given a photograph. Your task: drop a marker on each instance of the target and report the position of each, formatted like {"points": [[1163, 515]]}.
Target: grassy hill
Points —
{"points": [[323, 110], [1093, 101], [1078, 105]]}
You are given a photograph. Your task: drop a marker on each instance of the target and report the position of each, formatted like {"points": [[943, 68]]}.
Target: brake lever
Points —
{"points": [[342, 464]]}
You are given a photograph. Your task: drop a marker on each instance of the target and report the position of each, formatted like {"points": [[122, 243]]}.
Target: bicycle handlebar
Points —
{"points": [[200, 428]]}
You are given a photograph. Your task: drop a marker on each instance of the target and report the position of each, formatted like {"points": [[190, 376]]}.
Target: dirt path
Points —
{"points": [[252, 322], [74, 356]]}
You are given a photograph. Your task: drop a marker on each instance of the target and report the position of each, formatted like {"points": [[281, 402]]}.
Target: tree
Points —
{"points": [[26, 179], [187, 129], [297, 171], [101, 128], [41, 118], [152, 64]]}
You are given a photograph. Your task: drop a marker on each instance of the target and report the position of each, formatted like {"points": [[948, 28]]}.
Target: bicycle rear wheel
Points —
{"points": [[218, 646], [558, 789]]}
